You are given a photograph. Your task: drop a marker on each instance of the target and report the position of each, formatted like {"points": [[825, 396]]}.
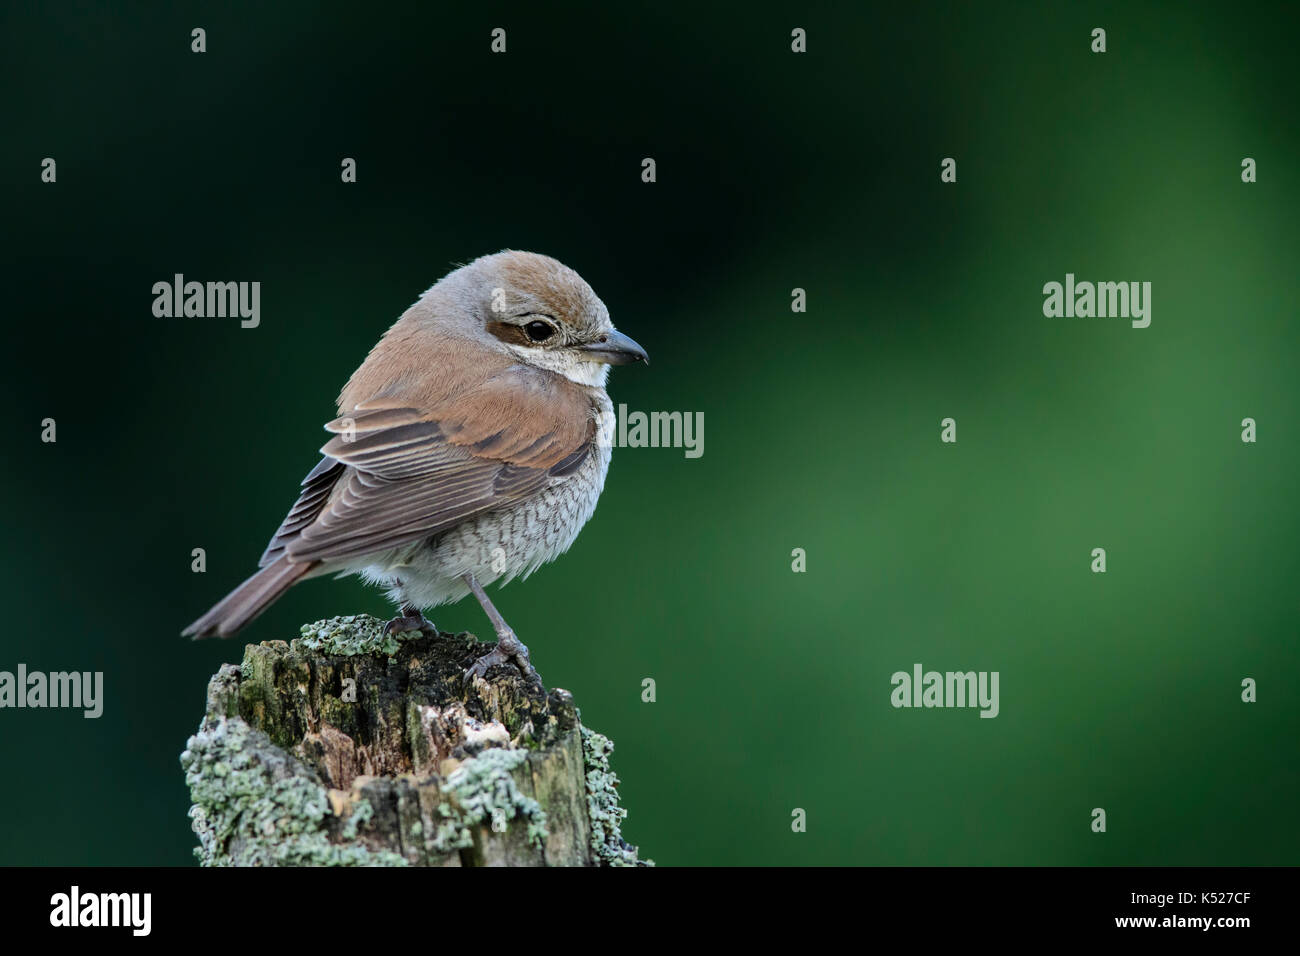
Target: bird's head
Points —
{"points": [[543, 313]]}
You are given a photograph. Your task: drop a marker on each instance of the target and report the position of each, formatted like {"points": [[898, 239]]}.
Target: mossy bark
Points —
{"points": [[351, 747]]}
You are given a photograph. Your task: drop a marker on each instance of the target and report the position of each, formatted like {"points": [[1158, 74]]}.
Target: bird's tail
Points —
{"points": [[249, 600]]}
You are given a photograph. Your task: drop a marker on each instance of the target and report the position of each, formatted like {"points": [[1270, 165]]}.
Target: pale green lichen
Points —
{"points": [[603, 808], [251, 811], [482, 790], [361, 813], [350, 636]]}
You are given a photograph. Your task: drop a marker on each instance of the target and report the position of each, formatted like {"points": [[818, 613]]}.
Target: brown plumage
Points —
{"points": [[479, 418]]}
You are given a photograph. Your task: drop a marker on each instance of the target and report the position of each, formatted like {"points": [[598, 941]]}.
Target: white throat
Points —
{"points": [[573, 367]]}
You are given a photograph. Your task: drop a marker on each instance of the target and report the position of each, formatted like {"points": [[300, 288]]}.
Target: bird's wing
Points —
{"points": [[316, 489], [396, 472]]}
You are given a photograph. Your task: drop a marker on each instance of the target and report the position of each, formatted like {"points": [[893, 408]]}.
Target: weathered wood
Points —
{"points": [[348, 747]]}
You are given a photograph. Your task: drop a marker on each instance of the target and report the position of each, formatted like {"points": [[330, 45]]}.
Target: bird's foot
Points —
{"points": [[410, 620], [509, 650]]}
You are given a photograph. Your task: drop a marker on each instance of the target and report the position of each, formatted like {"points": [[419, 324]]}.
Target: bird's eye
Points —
{"points": [[539, 331]]}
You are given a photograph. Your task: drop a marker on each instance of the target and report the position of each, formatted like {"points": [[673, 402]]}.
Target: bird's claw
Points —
{"points": [[410, 620], [509, 650]]}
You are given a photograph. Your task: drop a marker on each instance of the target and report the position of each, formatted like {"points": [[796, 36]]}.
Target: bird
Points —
{"points": [[469, 448]]}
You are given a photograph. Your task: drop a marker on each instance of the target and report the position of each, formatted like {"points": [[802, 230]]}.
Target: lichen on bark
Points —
{"points": [[349, 747], [603, 809]]}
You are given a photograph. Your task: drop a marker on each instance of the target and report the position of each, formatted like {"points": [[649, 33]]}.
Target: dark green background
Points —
{"points": [[819, 171]]}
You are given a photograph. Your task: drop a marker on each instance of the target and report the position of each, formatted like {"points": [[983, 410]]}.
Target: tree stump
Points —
{"points": [[349, 747]]}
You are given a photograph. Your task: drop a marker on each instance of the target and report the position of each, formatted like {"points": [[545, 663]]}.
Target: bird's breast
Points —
{"points": [[515, 539]]}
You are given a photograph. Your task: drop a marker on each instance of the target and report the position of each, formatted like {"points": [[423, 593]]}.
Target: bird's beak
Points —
{"points": [[615, 348]]}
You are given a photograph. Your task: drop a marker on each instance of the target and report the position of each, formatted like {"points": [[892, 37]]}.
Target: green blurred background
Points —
{"points": [[775, 171]]}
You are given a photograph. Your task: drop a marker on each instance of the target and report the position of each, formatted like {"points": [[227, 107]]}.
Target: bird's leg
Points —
{"points": [[410, 620], [509, 648]]}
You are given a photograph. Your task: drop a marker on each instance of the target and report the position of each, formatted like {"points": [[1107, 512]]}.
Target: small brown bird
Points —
{"points": [[471, 447]]}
